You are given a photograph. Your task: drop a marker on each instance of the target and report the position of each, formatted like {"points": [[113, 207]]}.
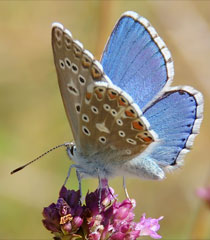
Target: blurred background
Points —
{"points": [[32, 117]]}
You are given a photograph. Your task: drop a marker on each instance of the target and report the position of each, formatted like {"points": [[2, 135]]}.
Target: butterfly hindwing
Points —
{"points": [[137, 60], [176, 117], [111, 122]]}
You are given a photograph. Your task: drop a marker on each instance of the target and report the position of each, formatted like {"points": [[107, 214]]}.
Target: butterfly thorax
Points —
{"points": [[103, 164]]}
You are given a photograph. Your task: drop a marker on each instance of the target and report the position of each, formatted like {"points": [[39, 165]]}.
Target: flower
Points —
{"points": [[100, 217], [149, 226], [64, 218], [204, 194]]}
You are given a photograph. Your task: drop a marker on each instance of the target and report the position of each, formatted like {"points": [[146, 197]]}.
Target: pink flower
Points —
{"points": [[204, 194], [149, 226], [107, 219]]}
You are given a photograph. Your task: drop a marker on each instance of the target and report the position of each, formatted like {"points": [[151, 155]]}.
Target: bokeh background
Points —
{"points": [[32, 117]]}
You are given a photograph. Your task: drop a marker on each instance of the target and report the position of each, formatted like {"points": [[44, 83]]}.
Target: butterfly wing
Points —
{"points": [[112, 124], [101, 115], [76, 68], [176, 117], [137, 60]]}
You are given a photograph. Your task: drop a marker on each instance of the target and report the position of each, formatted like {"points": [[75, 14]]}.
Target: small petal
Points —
{"points": [[149, 227]]}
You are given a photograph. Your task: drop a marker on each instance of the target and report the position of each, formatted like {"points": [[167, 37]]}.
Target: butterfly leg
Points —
{"points": [[80, 186], [100, 191], [69, 172], [125, 188]]}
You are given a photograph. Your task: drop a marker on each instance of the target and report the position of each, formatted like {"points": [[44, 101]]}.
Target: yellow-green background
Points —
{"points": [[32, 117]]}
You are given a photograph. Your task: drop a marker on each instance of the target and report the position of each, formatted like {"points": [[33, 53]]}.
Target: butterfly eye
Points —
{"points": [[72, 150]]}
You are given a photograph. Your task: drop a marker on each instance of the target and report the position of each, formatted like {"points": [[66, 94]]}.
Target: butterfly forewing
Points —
{"points": [[137, 60], [76, 68]]}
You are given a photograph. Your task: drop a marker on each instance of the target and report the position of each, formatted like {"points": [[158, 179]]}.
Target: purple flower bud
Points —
{"points": [[66, 228], [77, 222]]}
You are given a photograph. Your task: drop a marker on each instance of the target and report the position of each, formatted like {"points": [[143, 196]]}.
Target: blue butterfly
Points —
{"points": [[125, 117]]}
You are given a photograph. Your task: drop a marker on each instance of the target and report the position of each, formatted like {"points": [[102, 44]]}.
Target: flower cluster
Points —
{"points": [[107, 219]]}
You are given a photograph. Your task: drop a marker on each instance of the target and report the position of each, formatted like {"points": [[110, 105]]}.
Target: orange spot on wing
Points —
{"points": [[137, 125], [99, 94], [146, 139], [112, 96], [86, 62], [121, 103], [88, 95], [95, 72], [128, 113]]}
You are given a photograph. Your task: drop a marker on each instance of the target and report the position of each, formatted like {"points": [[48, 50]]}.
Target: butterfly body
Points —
{"points": [[125, 118]]}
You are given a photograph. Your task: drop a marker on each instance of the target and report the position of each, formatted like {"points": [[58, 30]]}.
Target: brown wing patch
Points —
{"points": [[117, 125]]}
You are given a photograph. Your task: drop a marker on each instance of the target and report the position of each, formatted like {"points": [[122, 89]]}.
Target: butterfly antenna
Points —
{"points": [[50, 150]]}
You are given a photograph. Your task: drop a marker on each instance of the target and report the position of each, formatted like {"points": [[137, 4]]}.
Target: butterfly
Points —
{"points": [[125, 117]]}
